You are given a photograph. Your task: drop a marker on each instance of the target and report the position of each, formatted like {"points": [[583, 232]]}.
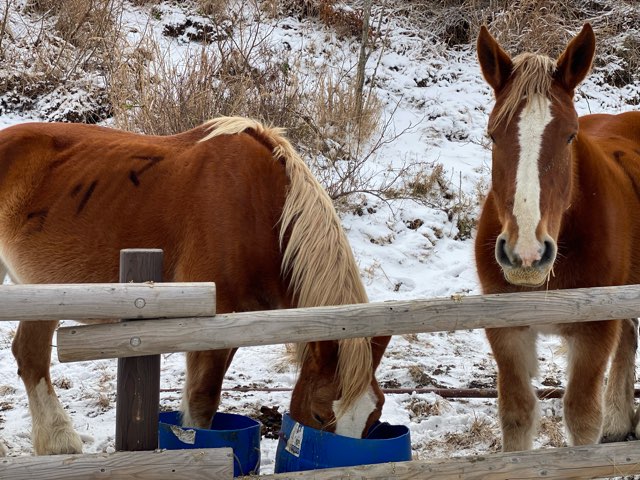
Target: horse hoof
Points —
{"points": [[625, 437]]}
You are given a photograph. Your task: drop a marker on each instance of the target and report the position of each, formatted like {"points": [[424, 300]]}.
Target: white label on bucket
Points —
{"points": [[295, 440], [185, 436]]}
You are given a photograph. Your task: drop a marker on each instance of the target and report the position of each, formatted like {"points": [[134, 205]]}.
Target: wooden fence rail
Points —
{"points": [[107, 300], [591, 461], [146, 337], [195, 464]]}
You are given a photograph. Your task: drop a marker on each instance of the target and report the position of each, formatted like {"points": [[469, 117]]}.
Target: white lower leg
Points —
{"points": [[187, 420], [52, 430]]}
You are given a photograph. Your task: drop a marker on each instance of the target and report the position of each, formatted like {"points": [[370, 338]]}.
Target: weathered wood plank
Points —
{"points": [[592, 461], [138, 391], [197, 464], [348, 321], [106, 300]]}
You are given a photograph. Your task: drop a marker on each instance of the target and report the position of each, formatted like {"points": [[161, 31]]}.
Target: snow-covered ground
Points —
{"points": [[441, 96]]}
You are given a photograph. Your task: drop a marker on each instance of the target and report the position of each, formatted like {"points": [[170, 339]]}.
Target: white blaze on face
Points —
{"points": [[534, 119], [352, 423]]}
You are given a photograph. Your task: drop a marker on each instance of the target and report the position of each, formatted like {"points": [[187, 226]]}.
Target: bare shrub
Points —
{"points": [[152, 94], [83, 23], [345, 20], [240, 73], [337, 124], [212, 8], [54, 65], [541, 26]]}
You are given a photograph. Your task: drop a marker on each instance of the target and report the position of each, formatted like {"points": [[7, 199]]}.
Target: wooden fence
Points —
{"points": [[186, 323]]}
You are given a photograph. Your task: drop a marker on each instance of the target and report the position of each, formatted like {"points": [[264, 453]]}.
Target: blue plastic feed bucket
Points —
{"points": [[305, 448], [227, 430]]}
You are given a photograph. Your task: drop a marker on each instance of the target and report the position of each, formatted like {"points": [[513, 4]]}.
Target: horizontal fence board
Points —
{"points": [[196, 464], [106, 301], [592, 461], [147, 337]]}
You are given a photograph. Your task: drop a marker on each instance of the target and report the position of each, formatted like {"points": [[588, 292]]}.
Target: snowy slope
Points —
{"points": [[441, 100]]}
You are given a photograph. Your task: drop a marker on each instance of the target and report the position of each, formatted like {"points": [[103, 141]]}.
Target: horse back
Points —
{"points": [[74, 195]]}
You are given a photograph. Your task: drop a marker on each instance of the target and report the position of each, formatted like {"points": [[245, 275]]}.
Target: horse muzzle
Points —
{"points": [[526, 267]]}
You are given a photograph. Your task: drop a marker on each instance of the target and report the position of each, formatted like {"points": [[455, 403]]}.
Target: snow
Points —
{"points": [[442, 107]]}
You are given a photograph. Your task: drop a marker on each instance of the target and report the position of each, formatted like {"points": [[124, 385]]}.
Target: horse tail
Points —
{"points": [[317, 256]]}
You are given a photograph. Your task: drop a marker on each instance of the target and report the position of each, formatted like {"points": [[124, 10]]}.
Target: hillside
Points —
{"points": [[404, 154]]}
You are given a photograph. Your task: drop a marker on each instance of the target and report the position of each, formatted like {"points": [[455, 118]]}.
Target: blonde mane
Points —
{"points": [[532, 76], [317, 257]]}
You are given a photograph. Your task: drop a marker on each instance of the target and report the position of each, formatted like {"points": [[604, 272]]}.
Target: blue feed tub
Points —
{"points": [[227, 430], [305, 448]]}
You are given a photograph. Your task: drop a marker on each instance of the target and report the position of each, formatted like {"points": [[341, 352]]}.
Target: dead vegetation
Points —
{"points": [[72, 62], [541, 26]]}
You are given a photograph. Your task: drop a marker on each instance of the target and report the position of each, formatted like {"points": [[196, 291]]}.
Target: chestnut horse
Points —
{"points": [[230, 202], [563, 211]]}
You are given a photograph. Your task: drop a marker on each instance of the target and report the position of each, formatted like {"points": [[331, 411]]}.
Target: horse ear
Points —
{"points": [[574, 64], [495, 63]]}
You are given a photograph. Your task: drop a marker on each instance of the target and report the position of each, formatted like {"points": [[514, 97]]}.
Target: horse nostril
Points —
{"points": [[548, 252], [318, 419], [501, 252]]}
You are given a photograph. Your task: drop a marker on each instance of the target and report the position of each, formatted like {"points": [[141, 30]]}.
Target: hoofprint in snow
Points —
{"points": [[444, 121]]}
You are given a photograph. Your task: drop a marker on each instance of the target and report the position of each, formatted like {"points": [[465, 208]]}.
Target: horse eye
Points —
{"points": [[571, 137]]}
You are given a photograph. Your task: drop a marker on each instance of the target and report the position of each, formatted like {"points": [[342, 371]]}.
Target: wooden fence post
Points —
{"points": [[138, 391]]}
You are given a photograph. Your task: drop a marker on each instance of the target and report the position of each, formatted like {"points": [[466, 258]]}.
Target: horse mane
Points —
{"points": [[532, 76], [317, 257]]}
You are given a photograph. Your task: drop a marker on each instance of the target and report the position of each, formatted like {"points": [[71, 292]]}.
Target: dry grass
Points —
{"points": [[541, 26], [152, 94], [6, 390], [545, 26], [421, 378], [338, 16], [240, 73], [235, 70], [63, 383], [420, 409], [551, 427], [480, 430], [61, 51], [237, 73]]}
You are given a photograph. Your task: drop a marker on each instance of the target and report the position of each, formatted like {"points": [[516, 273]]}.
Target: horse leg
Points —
{"points": [[52, 430], [201, 397], [3, 273], [619, 394], [514, 350], [590, 346]]}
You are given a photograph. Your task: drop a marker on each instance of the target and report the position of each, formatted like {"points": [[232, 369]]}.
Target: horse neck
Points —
{"points": [[592, 172]]}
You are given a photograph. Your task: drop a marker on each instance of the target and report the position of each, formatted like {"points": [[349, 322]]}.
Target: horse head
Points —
{"points": [[533, 126], [336, 389]]}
